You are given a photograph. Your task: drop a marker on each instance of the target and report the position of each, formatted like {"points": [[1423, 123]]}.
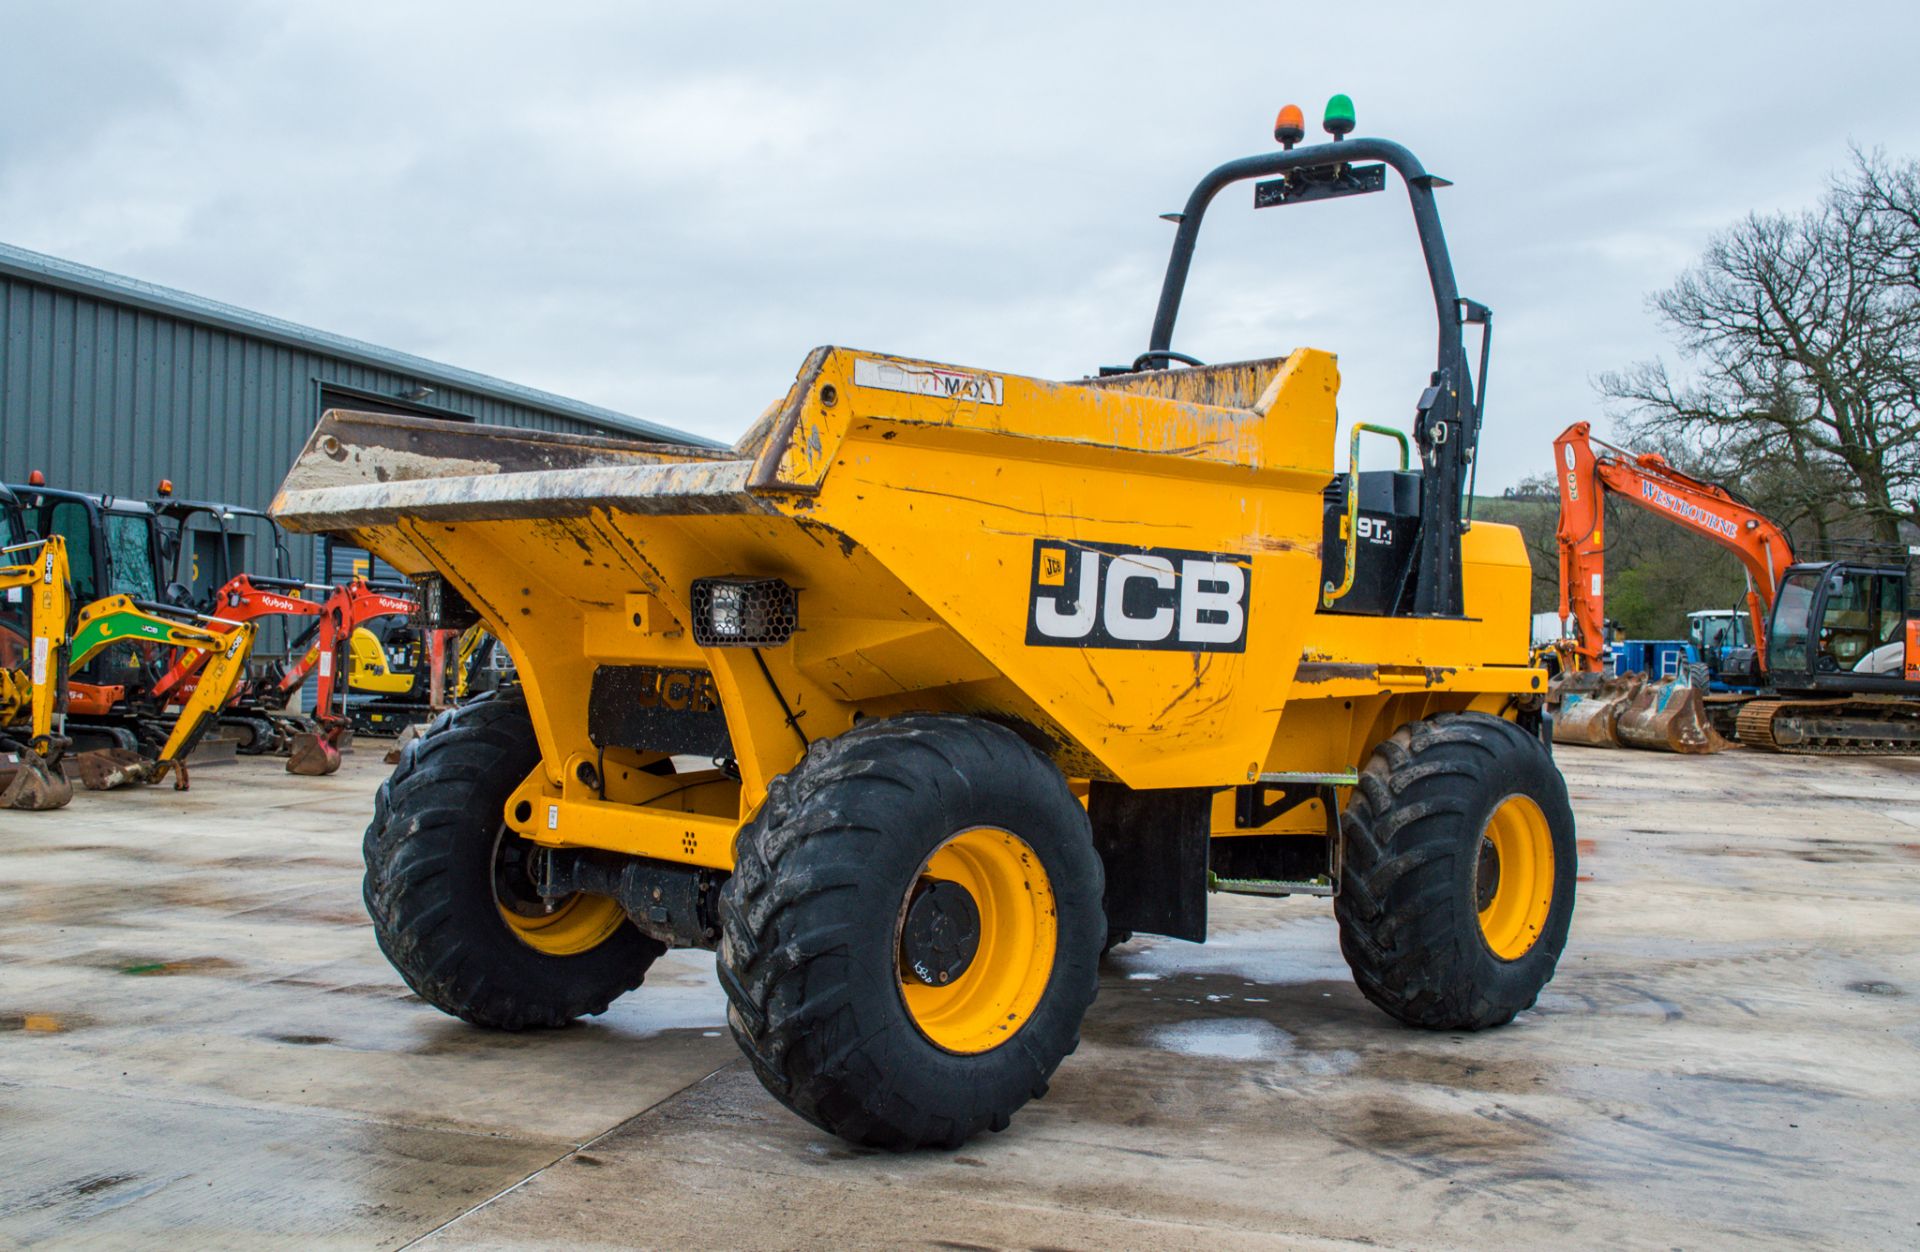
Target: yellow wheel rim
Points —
{"points": [[992, 998], [581, 923], [1514, 877], [578, 924]]}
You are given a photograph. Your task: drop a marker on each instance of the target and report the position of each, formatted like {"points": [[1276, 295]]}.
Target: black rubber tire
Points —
{"points": [[1699, 675], [808, 945], [429, 884], [1409, 927]]}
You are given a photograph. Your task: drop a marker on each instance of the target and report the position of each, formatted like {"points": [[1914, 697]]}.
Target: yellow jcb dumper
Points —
{"points": [[944, 679]]}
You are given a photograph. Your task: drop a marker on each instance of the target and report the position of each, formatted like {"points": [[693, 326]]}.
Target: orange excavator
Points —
{"points": [[1588, 470], [1834, 640]]}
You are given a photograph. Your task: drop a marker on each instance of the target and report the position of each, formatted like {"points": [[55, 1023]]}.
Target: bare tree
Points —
{"points": [[1801, 336]]}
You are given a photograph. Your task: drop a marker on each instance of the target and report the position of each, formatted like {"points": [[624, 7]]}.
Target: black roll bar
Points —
{"points": [[1426, 219], [1446, 427]]}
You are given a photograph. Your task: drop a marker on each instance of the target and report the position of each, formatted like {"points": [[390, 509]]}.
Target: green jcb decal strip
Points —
{"points": [[113, 628]]}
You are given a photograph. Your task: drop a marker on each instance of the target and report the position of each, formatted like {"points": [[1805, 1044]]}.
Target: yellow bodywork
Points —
{"points": [[368, 670], [36, 577], [922, 512]]}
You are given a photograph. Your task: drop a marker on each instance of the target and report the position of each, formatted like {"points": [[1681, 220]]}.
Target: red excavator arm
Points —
{"points": [[348, 608], [1588, 468], [244, 598]]}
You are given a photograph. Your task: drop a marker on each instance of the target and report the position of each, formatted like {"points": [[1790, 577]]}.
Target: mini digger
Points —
{"points": [[115, 642], [944, 680]]}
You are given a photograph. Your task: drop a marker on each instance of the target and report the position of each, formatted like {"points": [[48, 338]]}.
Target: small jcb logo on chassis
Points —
{"points": [[1109, 595]]}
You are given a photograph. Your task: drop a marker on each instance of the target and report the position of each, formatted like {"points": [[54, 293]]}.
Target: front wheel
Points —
{"points": [[1457, 878], [451, 892], [912, 931]]}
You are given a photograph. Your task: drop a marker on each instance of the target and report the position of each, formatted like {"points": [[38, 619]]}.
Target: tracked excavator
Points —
{"points": [[1835, 642]]}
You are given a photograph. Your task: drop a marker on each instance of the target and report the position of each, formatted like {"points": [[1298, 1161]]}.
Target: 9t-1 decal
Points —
{"points": [[1112, 595]]}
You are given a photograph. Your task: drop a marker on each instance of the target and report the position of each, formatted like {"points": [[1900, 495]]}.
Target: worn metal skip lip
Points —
{"points": [[702, 487]]}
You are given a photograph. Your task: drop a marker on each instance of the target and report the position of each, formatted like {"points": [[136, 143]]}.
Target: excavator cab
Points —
{"points": [[113, 543], [373, 670], [113, 548], [206, 543], [13, 527], [1842, 626], [15, 627]]}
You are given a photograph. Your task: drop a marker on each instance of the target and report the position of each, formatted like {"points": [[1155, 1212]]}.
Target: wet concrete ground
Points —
{"points": [[201, 1046]]}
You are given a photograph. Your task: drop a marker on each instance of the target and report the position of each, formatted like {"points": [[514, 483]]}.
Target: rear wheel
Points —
{"points": [[1457, 879], [451, 891], [912, 931]]}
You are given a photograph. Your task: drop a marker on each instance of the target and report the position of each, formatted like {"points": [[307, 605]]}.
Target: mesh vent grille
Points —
{"points": [[743, 612]]}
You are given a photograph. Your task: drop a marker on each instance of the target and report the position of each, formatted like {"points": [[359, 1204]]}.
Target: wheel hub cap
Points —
{"points": [[552, 927], [981, 913], [941, 935], [1487, 876]]}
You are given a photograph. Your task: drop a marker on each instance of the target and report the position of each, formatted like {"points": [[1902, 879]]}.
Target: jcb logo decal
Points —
{"points": [[678, 691], [1109, 595]]}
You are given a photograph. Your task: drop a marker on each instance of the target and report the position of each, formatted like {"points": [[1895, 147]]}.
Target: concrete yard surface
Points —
{"points": [[201, 1046]]}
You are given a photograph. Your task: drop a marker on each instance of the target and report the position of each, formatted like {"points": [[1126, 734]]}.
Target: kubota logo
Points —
{"points": [[1102, 595]]}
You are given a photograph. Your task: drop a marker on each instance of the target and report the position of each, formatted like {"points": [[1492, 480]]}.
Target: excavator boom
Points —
{"points": [[1588, 470]]}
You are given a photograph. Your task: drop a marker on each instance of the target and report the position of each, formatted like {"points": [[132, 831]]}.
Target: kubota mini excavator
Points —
{"points": [[1834, 640], [336, 639], [258, 709]]}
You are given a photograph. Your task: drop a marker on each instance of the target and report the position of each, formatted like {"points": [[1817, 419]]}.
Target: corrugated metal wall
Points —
{"points": [[106, 398], [111, 397]]}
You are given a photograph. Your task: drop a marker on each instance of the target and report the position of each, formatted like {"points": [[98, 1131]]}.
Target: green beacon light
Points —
{"points": [[1339, 119]]}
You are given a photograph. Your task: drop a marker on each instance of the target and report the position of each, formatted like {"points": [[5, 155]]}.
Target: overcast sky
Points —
{"points": [[661, 208]]}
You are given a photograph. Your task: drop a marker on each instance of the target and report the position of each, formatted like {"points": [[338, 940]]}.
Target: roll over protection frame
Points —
{"points": [[1446, 427]]}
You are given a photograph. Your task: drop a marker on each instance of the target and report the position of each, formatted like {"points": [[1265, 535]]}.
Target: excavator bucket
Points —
{"points": [[103, 769], [314, 755], [28, 782], [1590, 706], [1668, 716], [412, 731]]}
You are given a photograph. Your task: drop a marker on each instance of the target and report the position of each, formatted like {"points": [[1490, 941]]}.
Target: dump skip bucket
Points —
{"points": [[1668, 716]]}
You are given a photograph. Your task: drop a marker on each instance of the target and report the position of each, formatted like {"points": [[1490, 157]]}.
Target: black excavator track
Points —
{"points": [[1844, 726]]}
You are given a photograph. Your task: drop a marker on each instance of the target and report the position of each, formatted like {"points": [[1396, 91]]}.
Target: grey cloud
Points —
{"points": [[660, 208]]}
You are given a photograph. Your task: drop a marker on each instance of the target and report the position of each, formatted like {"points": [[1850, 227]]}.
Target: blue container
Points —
{"points": [[1656, 658]]}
